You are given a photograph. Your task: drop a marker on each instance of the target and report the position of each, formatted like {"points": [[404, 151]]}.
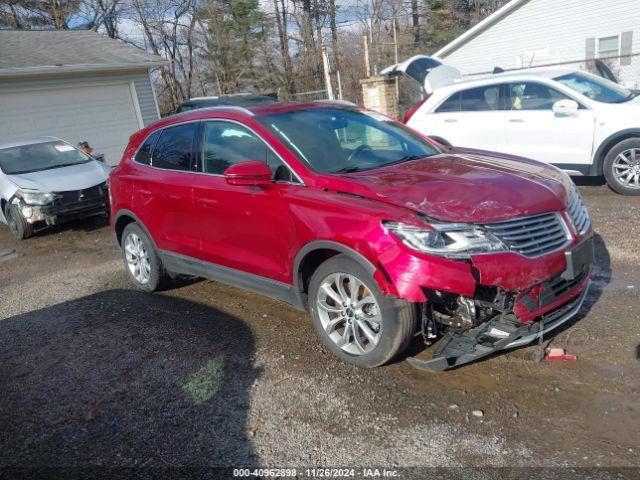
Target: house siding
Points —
{"points": [[140, 79], [146, 98], [548, 31]]}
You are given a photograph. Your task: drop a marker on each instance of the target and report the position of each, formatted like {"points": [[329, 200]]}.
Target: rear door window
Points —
{"points": [[481, 99], [174, 149], [144, 152]]}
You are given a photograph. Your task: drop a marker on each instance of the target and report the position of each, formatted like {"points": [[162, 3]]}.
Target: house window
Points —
{"points": [[609, 46]]}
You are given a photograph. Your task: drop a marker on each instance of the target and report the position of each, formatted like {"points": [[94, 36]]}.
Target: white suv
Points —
{"points": [[577, 121]]}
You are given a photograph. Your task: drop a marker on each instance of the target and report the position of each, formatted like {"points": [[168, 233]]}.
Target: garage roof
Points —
{"points": [[49, 51], [485, 24]]}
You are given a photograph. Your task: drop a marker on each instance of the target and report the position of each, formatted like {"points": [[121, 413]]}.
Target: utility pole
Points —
{"points": [[367, 67], [395, 52], [327, 73]]}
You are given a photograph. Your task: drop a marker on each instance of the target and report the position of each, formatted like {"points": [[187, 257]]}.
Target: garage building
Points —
{"points": [[75, 85]]}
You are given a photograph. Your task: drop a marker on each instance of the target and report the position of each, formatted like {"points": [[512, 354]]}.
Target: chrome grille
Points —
{"points": [[532, 236], [578, 212]]}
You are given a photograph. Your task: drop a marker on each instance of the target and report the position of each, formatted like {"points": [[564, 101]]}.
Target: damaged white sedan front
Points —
{"points": [[46, 181]]}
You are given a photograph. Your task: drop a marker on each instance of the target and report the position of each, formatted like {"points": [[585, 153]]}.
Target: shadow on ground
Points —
{"points": [[589, 181], [81, 225], [124, 378]]}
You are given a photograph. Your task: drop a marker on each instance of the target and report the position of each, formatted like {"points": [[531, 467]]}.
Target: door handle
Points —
{"points": [[516, 120], [208, 202], [145, 193], [451, 120]]}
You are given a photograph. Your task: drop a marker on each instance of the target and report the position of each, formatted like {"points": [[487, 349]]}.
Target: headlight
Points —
{"points": [[35, 197], [452, 240]]}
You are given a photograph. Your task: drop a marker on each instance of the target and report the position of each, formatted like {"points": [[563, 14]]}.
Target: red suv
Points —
{"points": [[377, 231]]}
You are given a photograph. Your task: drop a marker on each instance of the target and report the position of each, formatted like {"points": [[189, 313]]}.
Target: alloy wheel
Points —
{"points": [[349, 313], [626, 168], [137, 258]]}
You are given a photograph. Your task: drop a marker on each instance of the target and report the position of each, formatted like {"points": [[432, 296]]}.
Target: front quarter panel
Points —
{"points": [[7, 190], [348, 220]]}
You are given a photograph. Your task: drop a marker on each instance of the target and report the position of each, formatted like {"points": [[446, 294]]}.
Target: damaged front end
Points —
{"points": [[494, 319], [58, 207], [489, 286], [32, 204]]}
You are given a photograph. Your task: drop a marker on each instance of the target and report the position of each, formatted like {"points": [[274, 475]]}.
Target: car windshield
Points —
{"points": [[40, 156], [595, 88], [334, 140]]}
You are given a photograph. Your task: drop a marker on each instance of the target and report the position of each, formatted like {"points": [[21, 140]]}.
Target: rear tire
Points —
{"points": [[621, 163], [362, 327], [20, 228], [141, 260]]}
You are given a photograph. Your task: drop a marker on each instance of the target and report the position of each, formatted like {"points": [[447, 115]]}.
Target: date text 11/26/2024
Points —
{"points": [[316, 472]]}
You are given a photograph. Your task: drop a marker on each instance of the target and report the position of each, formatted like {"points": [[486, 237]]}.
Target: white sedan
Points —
{"points": [[48, 181], [577, 121]]}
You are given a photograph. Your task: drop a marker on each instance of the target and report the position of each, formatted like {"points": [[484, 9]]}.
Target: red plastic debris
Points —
{"points": [[558, 355]]}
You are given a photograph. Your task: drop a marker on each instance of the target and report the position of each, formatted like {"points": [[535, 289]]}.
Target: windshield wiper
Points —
{"points": [[408, 158], [348, 170], [52, 167]]}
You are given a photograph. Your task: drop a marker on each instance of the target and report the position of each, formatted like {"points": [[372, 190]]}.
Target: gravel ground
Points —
{"points": [[95, 373]]}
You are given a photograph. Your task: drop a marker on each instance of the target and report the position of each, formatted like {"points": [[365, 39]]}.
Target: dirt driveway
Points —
{"points": [[94, 373]]}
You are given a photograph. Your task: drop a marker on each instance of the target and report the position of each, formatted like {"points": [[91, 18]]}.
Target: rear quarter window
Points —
{"points": [[451, 104]]}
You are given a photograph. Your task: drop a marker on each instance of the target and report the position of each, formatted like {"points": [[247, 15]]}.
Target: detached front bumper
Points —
{"points": [[493, 302], [497, 335], [553, 320]]}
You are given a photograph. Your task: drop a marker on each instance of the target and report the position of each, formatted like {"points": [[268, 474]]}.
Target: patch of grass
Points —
{"points": [[206, 382]]}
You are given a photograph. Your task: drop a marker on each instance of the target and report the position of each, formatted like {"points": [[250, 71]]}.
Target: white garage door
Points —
{"points": [[104, 115]]}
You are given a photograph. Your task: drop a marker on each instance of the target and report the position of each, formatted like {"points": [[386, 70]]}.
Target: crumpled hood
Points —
{"points": [[75, 177], [464, 185]]}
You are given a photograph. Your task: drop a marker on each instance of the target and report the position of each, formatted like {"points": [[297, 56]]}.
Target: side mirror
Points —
{"points": [[99, 157], [565, 107], [248, 173]]}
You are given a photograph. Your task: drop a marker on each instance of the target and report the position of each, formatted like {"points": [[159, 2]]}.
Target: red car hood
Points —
{"points": [[462, 186]]}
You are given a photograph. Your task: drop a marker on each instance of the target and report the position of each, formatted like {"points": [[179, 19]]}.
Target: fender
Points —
{"points": [[314, 245], [129, 213], [605, 146]]}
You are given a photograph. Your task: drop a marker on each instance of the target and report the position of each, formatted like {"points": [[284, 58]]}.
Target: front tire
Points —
{"points": [[354, 319], [20, 228], [141, 260], [621, 167]]}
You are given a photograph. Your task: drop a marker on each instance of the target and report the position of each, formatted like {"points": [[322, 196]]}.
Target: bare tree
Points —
{"points": [[282, 24], [54, 14], [415, 20], [331, 7], [103, 14], [168, 28]]}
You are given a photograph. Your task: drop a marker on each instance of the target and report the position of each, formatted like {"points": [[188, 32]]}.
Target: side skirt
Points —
{"points": [[271, 288]]}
